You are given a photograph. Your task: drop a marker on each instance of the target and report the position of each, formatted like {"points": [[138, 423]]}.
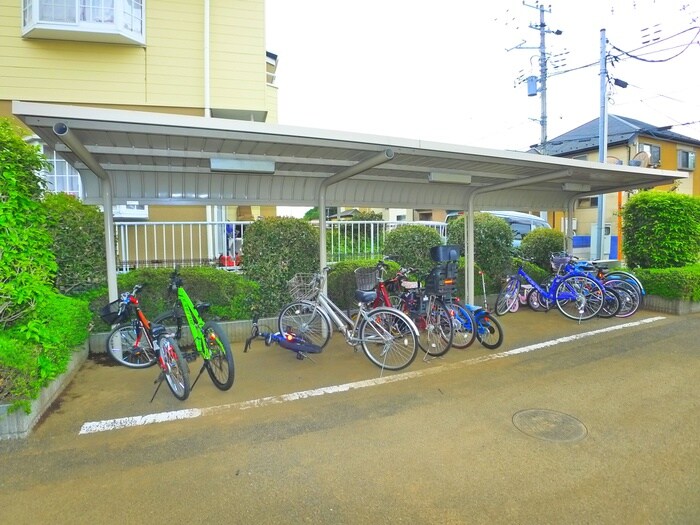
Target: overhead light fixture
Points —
{"points": [[453, 178], [242, 166], [575, 186]]}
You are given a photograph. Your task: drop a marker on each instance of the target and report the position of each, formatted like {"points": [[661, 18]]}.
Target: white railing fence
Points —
{"points": [[220, 244]]}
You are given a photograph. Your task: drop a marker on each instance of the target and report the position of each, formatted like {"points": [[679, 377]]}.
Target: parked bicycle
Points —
{"points": [[428, 310], [206, 339], [577, 295], [387, 336], [140, 343]]}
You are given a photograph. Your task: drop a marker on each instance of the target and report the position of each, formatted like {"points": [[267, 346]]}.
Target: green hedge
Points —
{"points": [[672, 283], [35, 352]]}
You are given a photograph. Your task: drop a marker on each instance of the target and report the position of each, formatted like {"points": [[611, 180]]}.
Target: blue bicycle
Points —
{"points": [[474, 322], [576, 294]]}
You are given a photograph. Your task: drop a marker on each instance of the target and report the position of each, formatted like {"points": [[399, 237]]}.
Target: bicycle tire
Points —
{"points": [[387, 338], [629, 296], [128, 345], [176, 324], [508, 296], [489, 331], [220, 366], [306, 321], [611, 304], [174, 367], [579, 297], [436, 332], [536, 302], [464, 325]]}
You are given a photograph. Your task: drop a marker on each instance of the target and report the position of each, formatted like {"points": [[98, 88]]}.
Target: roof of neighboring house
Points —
{"points": [[620, 131]]}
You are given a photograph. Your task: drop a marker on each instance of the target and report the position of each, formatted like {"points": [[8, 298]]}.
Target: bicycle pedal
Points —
{"points": [[190, 356]]}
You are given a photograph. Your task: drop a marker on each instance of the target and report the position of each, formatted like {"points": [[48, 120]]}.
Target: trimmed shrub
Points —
{"points": [[230, 294], [27, 264], [410, 245], [35, 353], [78, 242], [661, 230], [539, 244], [672, 283], [274, 249], [493, 241]]}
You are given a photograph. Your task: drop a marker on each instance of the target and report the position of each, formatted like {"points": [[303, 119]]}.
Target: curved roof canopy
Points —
{"points": [[156, 158]]}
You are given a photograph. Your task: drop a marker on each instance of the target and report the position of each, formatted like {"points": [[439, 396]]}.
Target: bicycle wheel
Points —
{"points": [[611, 304], [388, 339], [536, 301], [306, 322], [630, 297], [488, 330], [508, 296], [464, 326], [579, 297], [176, 324], [128, 345], [174, 367], [435, 332], [220, 365]]}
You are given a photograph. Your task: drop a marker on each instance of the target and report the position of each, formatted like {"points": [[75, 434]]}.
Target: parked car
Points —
{"points": [[521, 223]]}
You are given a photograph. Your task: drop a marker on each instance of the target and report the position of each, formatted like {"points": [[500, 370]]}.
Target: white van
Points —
{"points": [[521, 223]]}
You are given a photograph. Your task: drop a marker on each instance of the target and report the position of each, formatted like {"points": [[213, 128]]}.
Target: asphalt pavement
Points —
{"points": [[593, 422]]}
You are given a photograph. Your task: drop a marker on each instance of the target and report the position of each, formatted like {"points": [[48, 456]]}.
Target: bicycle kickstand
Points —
{"points": [[158, 382], [198, 375]]}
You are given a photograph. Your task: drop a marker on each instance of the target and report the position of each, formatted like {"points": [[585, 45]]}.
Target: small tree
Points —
{"points": [[540, 243], [661, 230], [411, 245], [493, 242], [78, 243], [27, 264], [274, 249]]}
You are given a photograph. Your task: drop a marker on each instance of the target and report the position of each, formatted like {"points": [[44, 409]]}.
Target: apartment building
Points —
{"points": [[190, 57]]}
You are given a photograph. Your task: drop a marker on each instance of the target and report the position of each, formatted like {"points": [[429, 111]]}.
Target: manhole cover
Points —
{"points": [[549, 425]]}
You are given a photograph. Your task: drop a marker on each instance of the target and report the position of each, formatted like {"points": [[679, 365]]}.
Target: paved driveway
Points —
{"points": [[566, 423]]}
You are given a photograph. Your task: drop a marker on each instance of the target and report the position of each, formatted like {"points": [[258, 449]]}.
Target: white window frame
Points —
{"points": [[120, 18], [686, 160]]}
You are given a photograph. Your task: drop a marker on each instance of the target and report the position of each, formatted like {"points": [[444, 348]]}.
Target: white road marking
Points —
{"points": [[190, 413]]}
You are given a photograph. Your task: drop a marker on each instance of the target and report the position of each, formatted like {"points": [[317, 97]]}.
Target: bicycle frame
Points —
{"points": [[194, 321]]}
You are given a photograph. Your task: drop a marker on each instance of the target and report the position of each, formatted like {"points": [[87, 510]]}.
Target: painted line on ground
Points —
{"points": [[191, 413]]}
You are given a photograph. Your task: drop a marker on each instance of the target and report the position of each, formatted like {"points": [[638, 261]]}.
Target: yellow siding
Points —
{"points": [[167, 73], [238, 65]]}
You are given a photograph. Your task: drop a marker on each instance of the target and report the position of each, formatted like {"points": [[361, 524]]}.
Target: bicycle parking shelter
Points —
{"points": [[154, 158]]}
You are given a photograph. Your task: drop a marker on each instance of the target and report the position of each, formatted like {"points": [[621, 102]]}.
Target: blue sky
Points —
{"points": [[441, 71]]}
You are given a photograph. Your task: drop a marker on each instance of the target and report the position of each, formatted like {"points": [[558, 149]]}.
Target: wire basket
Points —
{"points": [[559, 260], [115, 312], [366, 278], [303, 286]]}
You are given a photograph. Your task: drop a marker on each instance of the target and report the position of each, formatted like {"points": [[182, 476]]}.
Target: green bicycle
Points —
{"points": [[198, 337]]}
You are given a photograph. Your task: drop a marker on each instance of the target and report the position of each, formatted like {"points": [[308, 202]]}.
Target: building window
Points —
{"points": [[588, 202], [63, 178], [110, 21], [654, 152], [686, 160]]}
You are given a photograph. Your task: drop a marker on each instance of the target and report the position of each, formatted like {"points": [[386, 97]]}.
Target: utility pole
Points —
{"points": [[532, 81]]}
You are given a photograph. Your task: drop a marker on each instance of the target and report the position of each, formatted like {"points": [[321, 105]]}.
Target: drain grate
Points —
{"points": [[549, 425]]}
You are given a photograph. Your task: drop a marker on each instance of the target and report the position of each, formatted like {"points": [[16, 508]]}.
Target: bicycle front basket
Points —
{"points": [[303, 286], [115, 312], [366, 278]]}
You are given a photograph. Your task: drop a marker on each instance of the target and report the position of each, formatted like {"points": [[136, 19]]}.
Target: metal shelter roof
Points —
{"points": [[156, 158]]}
